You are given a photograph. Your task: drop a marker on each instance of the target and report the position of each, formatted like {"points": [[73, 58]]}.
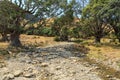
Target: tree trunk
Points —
{"points": [[64, 38], [97, 39], [4, 37], [64, 34], [14, 40], [117, 32]]}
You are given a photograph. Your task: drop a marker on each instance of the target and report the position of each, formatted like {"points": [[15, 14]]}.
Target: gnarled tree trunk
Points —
{"points": [[64, 38], [97, 39], [14, 39]]}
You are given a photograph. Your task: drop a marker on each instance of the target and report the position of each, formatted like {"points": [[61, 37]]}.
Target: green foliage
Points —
{"points": [[43, 31], [76, 32], [63, 24], [111, 14], [57, 38], [29, 32], [92, 20], [17, 13], [46, 31], [36, 32]]}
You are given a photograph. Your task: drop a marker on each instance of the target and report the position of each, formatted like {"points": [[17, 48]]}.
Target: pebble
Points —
{"points": [[1, 66], [108, 76], [28, 75], [11, 76], [44, 64], [18, 73], [8, 77], [97, 67], [58, 67]]}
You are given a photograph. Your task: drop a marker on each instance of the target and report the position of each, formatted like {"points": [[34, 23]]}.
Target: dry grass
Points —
{"points": [[31, 40], [36, 40], [3, 45], [106, 50]]}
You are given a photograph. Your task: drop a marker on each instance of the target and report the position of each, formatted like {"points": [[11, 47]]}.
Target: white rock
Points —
{"points": [[58, 67], [28, 75], [7, 77], [44, 64], [18, 73], [11, 76]]}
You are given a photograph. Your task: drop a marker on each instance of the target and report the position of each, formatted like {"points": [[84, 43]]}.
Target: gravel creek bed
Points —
{"points": [[59, 62]]}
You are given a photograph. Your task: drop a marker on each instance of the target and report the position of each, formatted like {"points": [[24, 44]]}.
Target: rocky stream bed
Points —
{"points": [[58, 62]]}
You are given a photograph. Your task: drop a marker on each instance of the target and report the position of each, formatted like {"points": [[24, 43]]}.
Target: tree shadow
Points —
{"points": [[59, 51]]}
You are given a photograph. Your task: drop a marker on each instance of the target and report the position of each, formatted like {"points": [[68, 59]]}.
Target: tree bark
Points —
{"points": [[117, 32], [64, 38], [4, 37], [14, 40], [97, 39]]}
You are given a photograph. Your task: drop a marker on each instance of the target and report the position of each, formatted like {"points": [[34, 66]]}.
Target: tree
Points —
{"points": [[31, 10], [62, 24], [3, 22], [3, 29], [13, 15], [111, 14], [93, 21]]}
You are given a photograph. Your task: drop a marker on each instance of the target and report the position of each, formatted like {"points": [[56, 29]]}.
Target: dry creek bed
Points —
{"points": [[59, 62]]}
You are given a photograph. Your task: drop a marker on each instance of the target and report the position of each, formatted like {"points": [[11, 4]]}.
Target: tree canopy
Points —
{"points": [[96, 18], [15, 11], [111, 14]]}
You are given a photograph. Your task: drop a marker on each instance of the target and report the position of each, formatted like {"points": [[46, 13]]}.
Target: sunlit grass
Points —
{"points": [[104, 50]]}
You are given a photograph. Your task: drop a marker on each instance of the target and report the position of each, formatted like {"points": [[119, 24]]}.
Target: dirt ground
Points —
{"points": [[105, 51]]}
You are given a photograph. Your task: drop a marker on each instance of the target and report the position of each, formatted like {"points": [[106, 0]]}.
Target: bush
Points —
{"points": [[57, 38], [29, 32], [36, 32], [46, 31]]}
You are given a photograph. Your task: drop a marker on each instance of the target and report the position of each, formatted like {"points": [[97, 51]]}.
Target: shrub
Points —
{"points": [[29, 32], [36, 32], [46, 31], [57, 38]]}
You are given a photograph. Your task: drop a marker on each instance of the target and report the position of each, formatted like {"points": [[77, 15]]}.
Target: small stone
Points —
{"points": [[73, 72], [8, 77], [5, 77], [1, 66], [29, 75], [44, 64], [29, 69], [11, 76], [28, 61], [97, 67], [18, 73], [58, 67], [74, 60], [35, 61], [108, 76]]}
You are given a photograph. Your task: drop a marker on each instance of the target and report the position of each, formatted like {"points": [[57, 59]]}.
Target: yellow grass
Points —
{"points": [[36, 40], [33, 40], [3, 45], [105, 50]]}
